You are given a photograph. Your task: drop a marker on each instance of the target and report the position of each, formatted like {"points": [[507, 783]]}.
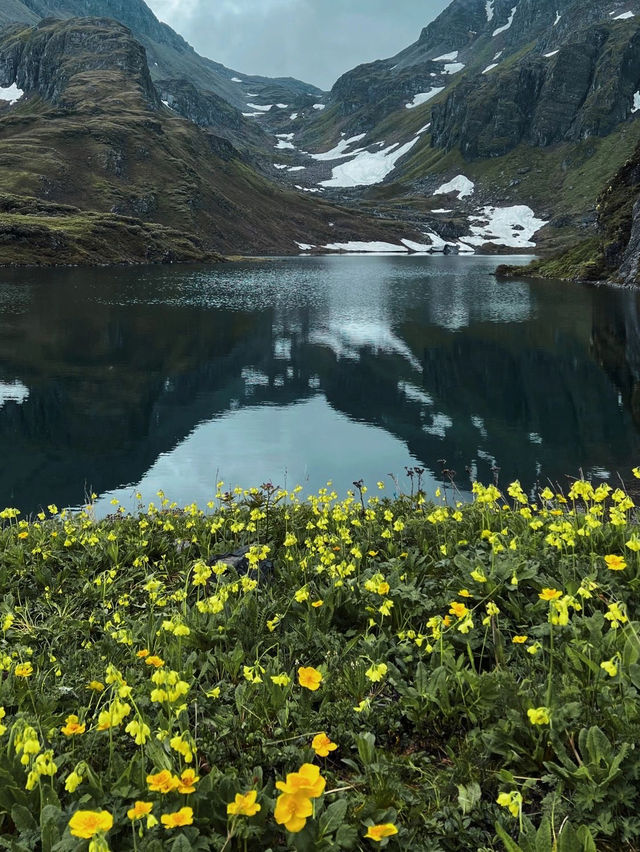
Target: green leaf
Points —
{"points": [[422, 678], [23, 819], [585, 837], [181, 844], [469, 796], [333, 817], [347, 836], [367, 748], [544, 837], [509, 844]]}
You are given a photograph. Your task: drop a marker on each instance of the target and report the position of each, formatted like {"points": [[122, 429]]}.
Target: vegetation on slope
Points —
{"points": [[431, 676]]}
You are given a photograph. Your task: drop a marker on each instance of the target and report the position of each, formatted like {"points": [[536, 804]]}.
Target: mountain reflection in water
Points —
{"points": [[304, 370]]}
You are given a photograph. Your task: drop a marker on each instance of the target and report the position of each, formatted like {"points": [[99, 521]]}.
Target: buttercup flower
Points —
{"points": [[175, 820], [615, 563], [322, 745], [306, 782], [188, 780], [244, 804], [87, 824], [73, 727], [162, 782], [309, 677], [379, 832], [23, 670], [292, 811], [139, 810]]}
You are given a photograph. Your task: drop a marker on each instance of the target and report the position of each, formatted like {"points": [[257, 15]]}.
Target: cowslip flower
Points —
{"points": [[175, 820], [519, 640], [73, 726], [309, 677], [615, 563], [376, 672], [322, 745], [512, 801], [610, 667], [539, 715], [281, 679], [379, 832], [244, 804], [87, 824]]}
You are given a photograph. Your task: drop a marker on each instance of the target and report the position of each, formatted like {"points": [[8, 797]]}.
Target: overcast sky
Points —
{"points": [[314, 40]]}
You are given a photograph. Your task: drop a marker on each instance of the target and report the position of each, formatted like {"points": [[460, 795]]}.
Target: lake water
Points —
{"points": [[301, 371]]}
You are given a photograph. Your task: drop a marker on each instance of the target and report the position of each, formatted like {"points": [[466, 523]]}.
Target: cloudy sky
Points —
{"points": [[314, 40]]}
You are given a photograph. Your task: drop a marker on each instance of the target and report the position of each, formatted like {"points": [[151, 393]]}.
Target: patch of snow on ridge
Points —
{"points": [[505, 226], [366, 248], [636, 102], [490, 67], [549, 55], [508, 24], [288, 136], [557, 20], [260, 108], [304, 246], [282, 106], [233, 79], [12, 94], [453, 67], [297, 168], [460, 184], [283, 145], [489, 8], [319, 106], [293, 116], [368, 168], [624, 16], [423, 97], [447, 57], [338, 152]]}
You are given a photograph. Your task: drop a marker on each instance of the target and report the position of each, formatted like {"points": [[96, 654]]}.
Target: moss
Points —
{"points": [[583, 262]]}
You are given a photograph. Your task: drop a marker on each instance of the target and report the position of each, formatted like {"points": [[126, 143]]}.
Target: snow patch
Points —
{"points": [[297, 168], [260, 108], [490, 67], [447, 57], [557, 20], [233, 79], [505, 226], [13, 391], [636, 102], [460, 184], [366, 248], [423, 97], [489, 8], [288, 136], [293, 116], [549, 55], [442, 210], [453, 67], [252, 114], [282, 106], [165, 103], [424, 129], [304, 246], [368, 168], [508, 24], [624, 16], [280, 166], [339, 151], [11, 93], [320, 106], [283, 145]]}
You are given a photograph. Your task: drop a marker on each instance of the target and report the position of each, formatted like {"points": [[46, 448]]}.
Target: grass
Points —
{"points": [[475, 666]]}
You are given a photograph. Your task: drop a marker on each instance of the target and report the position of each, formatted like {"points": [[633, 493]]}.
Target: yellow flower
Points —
{"points": [[96, 686], [73, 726], [143, 653], [281, 679], [163, 782], [309, 677], [87, 824], [307, 782], [539, 715], [244, 804], [187, 783], [549, 594], [379, 832], [23, 670], [182, 817], [512, 801], [157, 662], [519, 640], [139, 810], [322, 745], [376, 672], [302, 595], [317, 604], [74, 780], [615, 563], [633, 543], [610, 667], [478, 576], [292, 811], [458, 609]]}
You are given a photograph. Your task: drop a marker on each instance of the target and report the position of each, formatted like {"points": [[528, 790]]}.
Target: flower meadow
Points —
{"points": [[412, 671]]}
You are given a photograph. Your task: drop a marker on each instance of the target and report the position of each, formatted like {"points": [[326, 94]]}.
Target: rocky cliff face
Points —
{"points": [[47, 59]]}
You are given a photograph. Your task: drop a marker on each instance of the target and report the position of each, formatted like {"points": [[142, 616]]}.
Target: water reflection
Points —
{"points": [[301, 370]]}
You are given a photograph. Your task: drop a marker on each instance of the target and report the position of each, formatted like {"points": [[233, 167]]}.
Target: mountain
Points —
{"points": [[507, 113], [83, 130]]}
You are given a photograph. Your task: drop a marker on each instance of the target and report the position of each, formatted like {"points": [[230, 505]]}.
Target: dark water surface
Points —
{"points": [[304, 370]]}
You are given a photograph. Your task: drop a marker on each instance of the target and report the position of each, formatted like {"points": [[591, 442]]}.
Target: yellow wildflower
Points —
{"points": [[309, 677], [175, 820], [244, 804], [379, 832], [87, 824], [322, 745]]}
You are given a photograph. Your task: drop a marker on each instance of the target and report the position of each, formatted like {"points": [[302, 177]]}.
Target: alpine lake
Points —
{"points": [[303, 371]]}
